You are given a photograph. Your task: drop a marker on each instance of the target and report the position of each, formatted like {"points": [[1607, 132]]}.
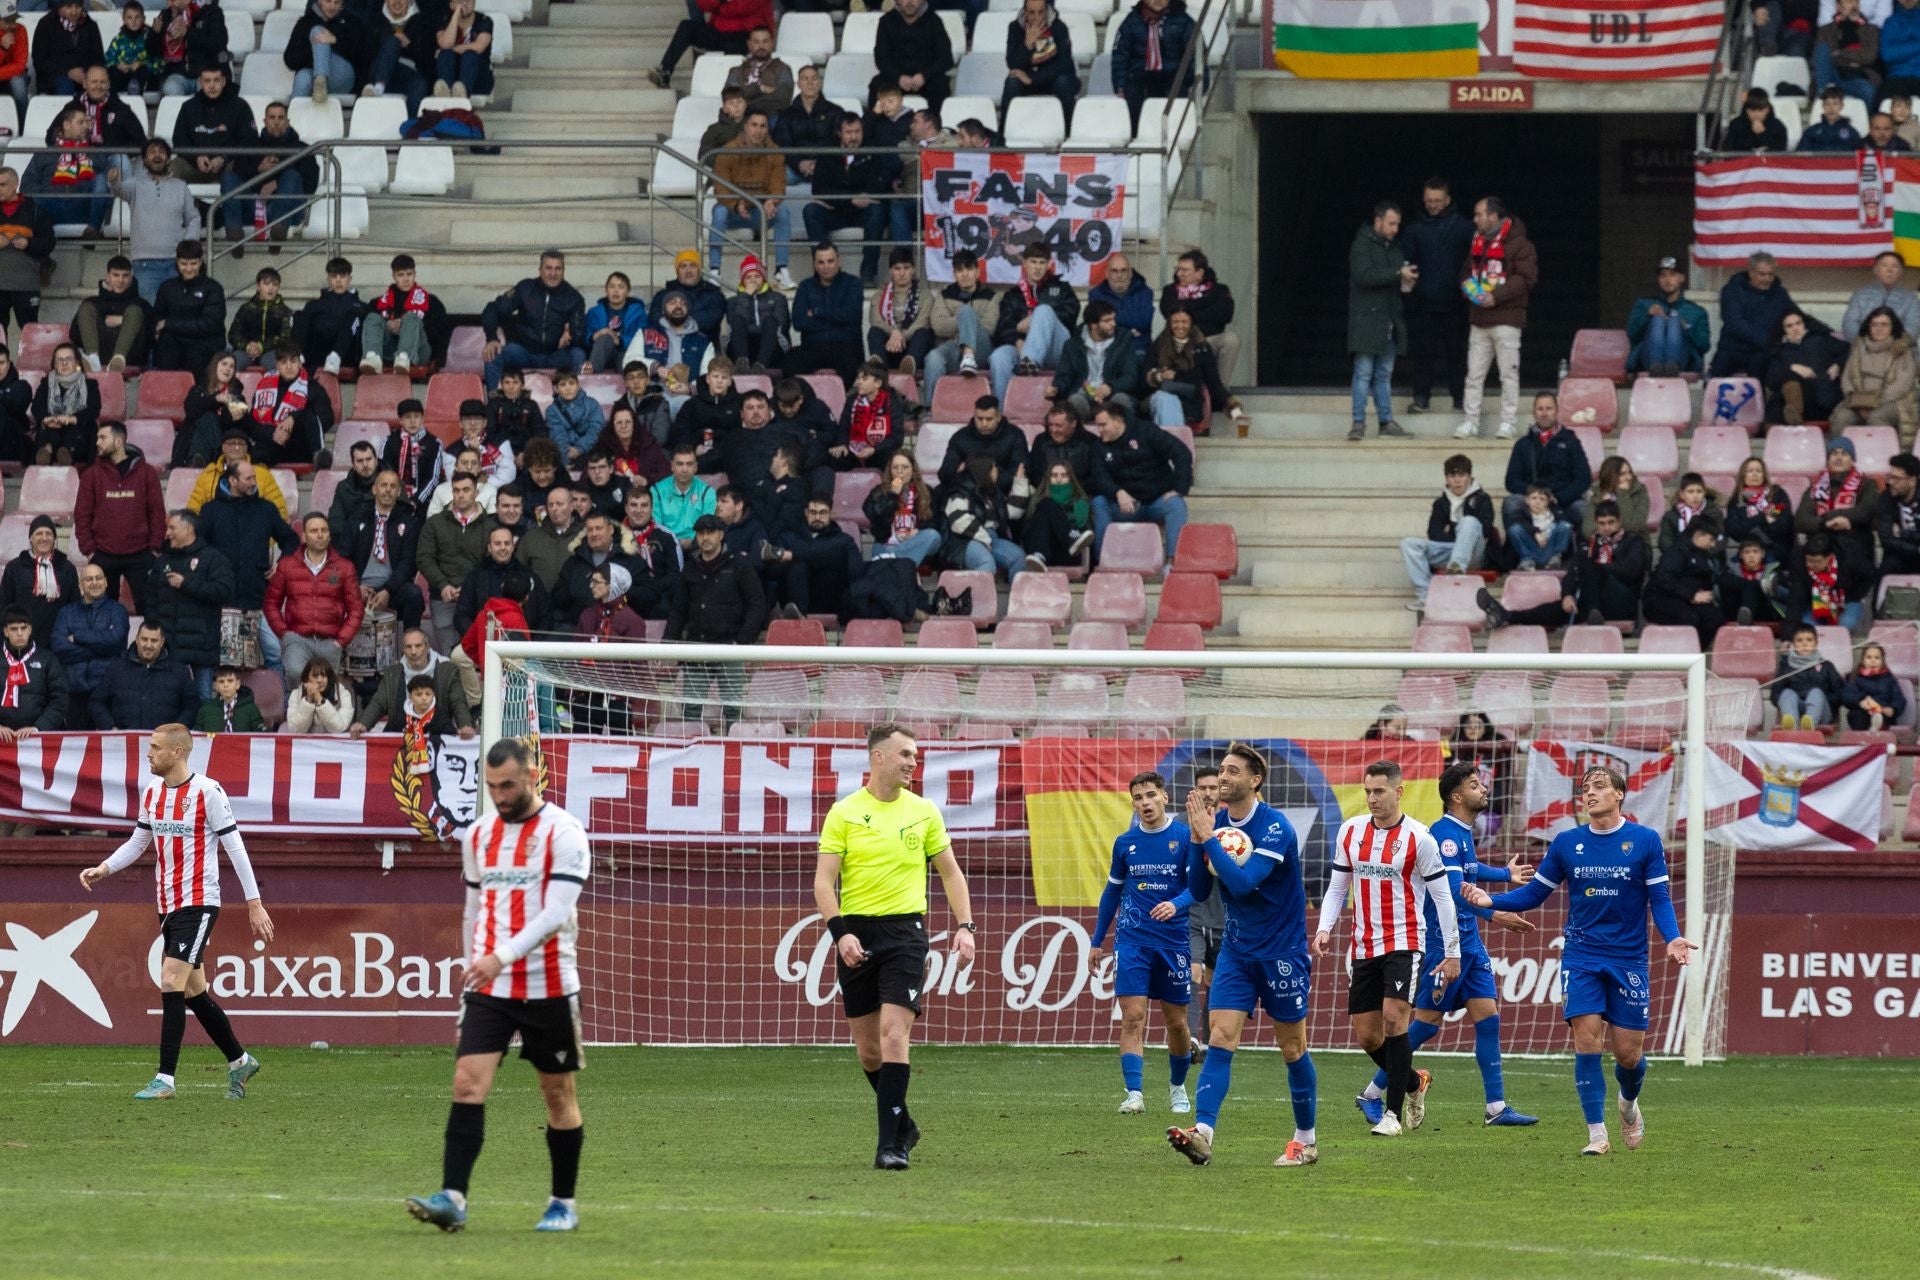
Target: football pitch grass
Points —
{"points": [[756, 1162]]}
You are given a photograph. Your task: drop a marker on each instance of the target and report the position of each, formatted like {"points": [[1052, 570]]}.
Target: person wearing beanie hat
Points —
{"points": [[1670, 333], [612, 324], [40, 580], [1878, 384], [34, 697], [759, 321], [750, 189], [706, 301], [1841, 503], [497, 469]]}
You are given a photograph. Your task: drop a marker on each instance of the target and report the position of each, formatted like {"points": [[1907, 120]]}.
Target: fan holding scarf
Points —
{"points": [[1498, 277]]}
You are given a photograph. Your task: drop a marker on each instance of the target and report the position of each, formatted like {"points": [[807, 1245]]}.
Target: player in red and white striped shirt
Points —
{"points": [[525, 865], [1393, 865], [185, 816]]}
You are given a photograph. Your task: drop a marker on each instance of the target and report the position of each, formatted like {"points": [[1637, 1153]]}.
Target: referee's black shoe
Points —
{"points": [[910, 1136], [890, 1158]]}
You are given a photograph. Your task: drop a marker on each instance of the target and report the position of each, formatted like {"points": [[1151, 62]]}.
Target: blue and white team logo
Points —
{"points": [[1449, 848], [1633, 979], [1286, 970]]}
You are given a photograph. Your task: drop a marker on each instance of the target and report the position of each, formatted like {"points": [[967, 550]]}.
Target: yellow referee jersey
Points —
{"points": [[884, 849]]}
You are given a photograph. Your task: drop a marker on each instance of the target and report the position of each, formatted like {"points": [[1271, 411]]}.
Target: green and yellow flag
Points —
{"points": [[1377, 39]]}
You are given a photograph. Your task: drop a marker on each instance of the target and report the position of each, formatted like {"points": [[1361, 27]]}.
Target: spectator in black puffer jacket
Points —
{"points": [[183, 38], [64, 47], [189, 314], [38, 705], [213, 126], [145, 687], [1139, 473], [540, 323], [1680, 592], [40, 580], [243, 527], [189, 583], [991, 434], [1551, 455]]}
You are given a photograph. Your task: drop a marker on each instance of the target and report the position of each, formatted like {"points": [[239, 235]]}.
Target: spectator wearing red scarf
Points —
{"points": [[1498, 276], [1147, 53]]}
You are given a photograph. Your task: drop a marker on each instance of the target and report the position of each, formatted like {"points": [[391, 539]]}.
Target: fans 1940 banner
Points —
{"points": [[998, 204]]}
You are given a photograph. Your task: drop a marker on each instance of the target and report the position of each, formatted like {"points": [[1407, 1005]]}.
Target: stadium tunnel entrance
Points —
{"points": [[1603, 197]]}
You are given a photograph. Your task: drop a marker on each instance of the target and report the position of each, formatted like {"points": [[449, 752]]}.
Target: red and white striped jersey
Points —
{"points": [[1390, 867], [512, 864], [187, 823]]}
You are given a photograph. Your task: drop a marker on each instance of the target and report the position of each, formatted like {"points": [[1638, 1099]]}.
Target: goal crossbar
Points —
{"points": [[1692, 666]]}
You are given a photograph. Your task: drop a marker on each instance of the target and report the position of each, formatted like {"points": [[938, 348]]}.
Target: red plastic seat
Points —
{"points": [[1134, 547], [1431, 701], [1662, 638], [986, 601], [872, 633], [377, 396], [1795, 451], [1660, 402], [163, 394], [1733, 707], [1578, 707], [1027, 402], [806, 632], [445, 392], [1154, 699], [948, 633], [1206, 548], [1744, 397], [742, 382], [1444, 637], [1744, 653], [1657, 504], [1901, 640], [601, 388], [1102, 637], [1191, 597], [1836, 646], [1719, 449], [539, 385], [1593, 444], [930, 449], [928, 694], [1594, 639], [358, 431], [113, 395], [1112, 596], [954, 395], [1527, 590], [751, 730], [153, 437], [1174, 637], [49, 491], [1077, 695], [1654, 712], [850, 489], [1450, 598], [777, 693], [1522, 639], [1653, 451], [1795, 487], [1182, 433], [1874, 448], [1006, 694], [1043, 597], [464, 348], [1581, 396], [268, 694], [324, 485], [831, 390], [1599, 353], [38, 342], [1506, 697], [178, 486], [904, 387], [1022, 633], [14, 531], [854, 693]]}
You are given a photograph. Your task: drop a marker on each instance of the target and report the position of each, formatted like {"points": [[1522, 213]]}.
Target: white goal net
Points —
{"points": [[703, 774]]}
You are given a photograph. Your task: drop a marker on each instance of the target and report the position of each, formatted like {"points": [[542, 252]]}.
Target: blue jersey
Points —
{"points": [[1455, 839], [1266, 899], [1612, 880], [1149, 868]]}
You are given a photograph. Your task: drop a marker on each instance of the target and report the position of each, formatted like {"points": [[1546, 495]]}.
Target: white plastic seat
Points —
{"points": [[252, 8], [956, 24], [502, 50], [380, 119], [518, 10], [1096, 10], [422, 171], [673, 176], [710, 74], [9, 117], [1036, 122], [1101, 122], [849, 75], [1154, 119], [165, 116], [276, 30], [970, 107], [1100, 76], [266, 75], [364, 167], [808, 37], [1771, 73], [354, 217], [239, 31], [983, 73], [857, 36], [692, 116], [1086, 39], [316, 121], [258, 104], [1855, 113], [41, 112]]}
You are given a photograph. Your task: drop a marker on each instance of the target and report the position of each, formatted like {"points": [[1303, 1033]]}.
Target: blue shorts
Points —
{"points": [[1159, 973], [1474, 983], [1278, 986], [1618, 992]]}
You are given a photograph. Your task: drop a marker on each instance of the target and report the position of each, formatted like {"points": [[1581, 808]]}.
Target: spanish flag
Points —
{"points": [[1077, 802]]}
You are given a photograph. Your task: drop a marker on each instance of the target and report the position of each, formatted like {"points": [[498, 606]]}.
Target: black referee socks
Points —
{"points": [[466, 1130], [173, 1028], [213, 1020], [906, 1117], [563, 1149], [890, 1092]]}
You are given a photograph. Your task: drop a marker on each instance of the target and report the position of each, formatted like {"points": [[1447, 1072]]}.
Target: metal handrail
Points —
{"points": [[1733, 59]]}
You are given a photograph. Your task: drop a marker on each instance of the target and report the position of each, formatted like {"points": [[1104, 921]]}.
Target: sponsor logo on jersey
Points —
{"points": [[1603, 873], [1597, 891]]}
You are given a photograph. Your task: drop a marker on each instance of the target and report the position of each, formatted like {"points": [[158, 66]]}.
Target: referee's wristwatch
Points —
{"points": [[969, 926]]}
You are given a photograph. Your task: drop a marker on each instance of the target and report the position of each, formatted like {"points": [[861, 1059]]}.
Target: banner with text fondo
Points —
{"points": [[998, 204]]}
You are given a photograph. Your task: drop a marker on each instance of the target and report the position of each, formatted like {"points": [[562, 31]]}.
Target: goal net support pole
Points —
{"points": [[501, 653]]}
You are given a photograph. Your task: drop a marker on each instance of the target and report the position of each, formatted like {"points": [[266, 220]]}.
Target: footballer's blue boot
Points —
{"points": [[1508, 1116], [1372, 1108], [558, 1217], [439, 1209], [237, 1077], [156, 1088]]}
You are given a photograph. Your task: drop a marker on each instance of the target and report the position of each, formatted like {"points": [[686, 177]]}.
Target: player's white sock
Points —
{"points": [[1305, 1137], [163, 1078], [1596, 1133], [567, 1202], [1373, 1092], [1205, 1131], [237, 1063], [459, 1198], [1495, 1108]]}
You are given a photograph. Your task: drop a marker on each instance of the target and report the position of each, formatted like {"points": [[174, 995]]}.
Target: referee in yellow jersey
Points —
{"points": [[871, 887]]}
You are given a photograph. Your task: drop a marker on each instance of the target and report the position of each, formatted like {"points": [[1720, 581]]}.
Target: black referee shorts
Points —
{"points": [[186, 933], [1203, 945], [549, 1029], [895, 970], [1375, 981]]}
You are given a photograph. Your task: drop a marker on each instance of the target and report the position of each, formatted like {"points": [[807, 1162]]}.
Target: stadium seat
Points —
{"points": [[1657, 503], [1660, 402], [1659, 638], [1652, 450], [777, 693], [1133, 547], [1594, 639], [692, 115], [1578, 707], [1076, 695], [1795, 487], [260, 77], [1719, 450], [1450, 598], [710, 73], [354, 216], [680, 730], [1191, 597], [1744, 653], [37, 343], [1589, 402], [1901, 640], [378, 119], [1101, 121], [1154, 700], [808, 633], [1599, 353], [986, 600], [163, 394], [1037, 122], [1100, 74], [1022, 633], [377, 396], [354, 431], [858, 32], [1524, 590], [928, 693], [1207, 548], [420, 170], [1027, 401], [466, 344], [947, 633], [1593, 444], [1733, 707], [268, 694], [324, 484], [872, 633], [850, 490], [1521, 640], [179, 486], [1043, 597], [1112, 595], [15, 528], [984, 731], [445, 391], [49, 491], [1733, 402], [953, 398], [930, 449], [1654, 711], [749, 730], [1098, 636], [1506, 698], [809, 37], [1174, 637], [982, 74], [317, 122], [1431, 701], [1795, 451], [1874, 448], [1836, 646], [1006, 694], [113, 395], [833, 392], [849, 74], [1444, 637], [153, 437], [967, 106], [1770, 73], [854, 693], [275, 31]]}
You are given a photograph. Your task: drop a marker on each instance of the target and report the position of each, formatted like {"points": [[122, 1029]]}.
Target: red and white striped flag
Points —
{"points": [[1806, 210], [1616, 39]]}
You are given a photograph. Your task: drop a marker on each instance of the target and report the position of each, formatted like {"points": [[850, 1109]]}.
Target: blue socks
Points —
{"points": [[1131, 1067], [1215, 1074], [1486, 1052], [1418, 1034], [1630, 1078], [1178, 1066], [1303, 1084], [1591, 1085]]}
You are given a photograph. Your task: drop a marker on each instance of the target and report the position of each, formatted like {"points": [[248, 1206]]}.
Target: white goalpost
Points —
{"points": [[702, 773]]}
